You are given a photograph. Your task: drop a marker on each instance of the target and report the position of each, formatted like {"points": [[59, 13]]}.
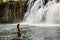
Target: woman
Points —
{"points": [[19, 31]]}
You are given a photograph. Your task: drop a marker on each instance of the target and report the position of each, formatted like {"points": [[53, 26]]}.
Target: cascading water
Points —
{"points": [[52, 16], [37, 5], [29, 4], [45, 14]]}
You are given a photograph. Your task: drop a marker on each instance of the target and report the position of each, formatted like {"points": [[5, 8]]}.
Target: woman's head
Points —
{"points": [[18, 25]]}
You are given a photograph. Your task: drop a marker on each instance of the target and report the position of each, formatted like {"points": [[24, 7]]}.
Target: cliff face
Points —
{"points": [[12, 11], [22, 7]]}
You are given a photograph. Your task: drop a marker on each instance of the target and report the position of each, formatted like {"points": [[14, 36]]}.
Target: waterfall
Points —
{"points": [[34, 9], [29, 4], [42, 20], [53, 16], [40, 13]]}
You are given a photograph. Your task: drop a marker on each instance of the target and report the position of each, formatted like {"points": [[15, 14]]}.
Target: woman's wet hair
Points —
{"points": [[18, 25]]}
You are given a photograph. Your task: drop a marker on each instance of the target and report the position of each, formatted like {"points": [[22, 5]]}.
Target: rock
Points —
{"points": [[22, 7], [12, 11]]}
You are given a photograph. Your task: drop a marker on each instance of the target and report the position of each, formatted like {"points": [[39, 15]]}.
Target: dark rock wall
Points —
{"points": [[22, 7], [12, 11]]}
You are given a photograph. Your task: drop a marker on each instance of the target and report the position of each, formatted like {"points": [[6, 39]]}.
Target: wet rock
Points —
{"points": [[12, 11]]}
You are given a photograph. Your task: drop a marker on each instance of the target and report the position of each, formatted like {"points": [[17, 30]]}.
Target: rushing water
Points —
{"points": [[45, 14], [37, 15], [40, 13]]}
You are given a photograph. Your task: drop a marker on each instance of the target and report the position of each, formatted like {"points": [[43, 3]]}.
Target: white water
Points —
{"points": [[29, 4], [53, 16], [45, 21], [44, 14]]}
